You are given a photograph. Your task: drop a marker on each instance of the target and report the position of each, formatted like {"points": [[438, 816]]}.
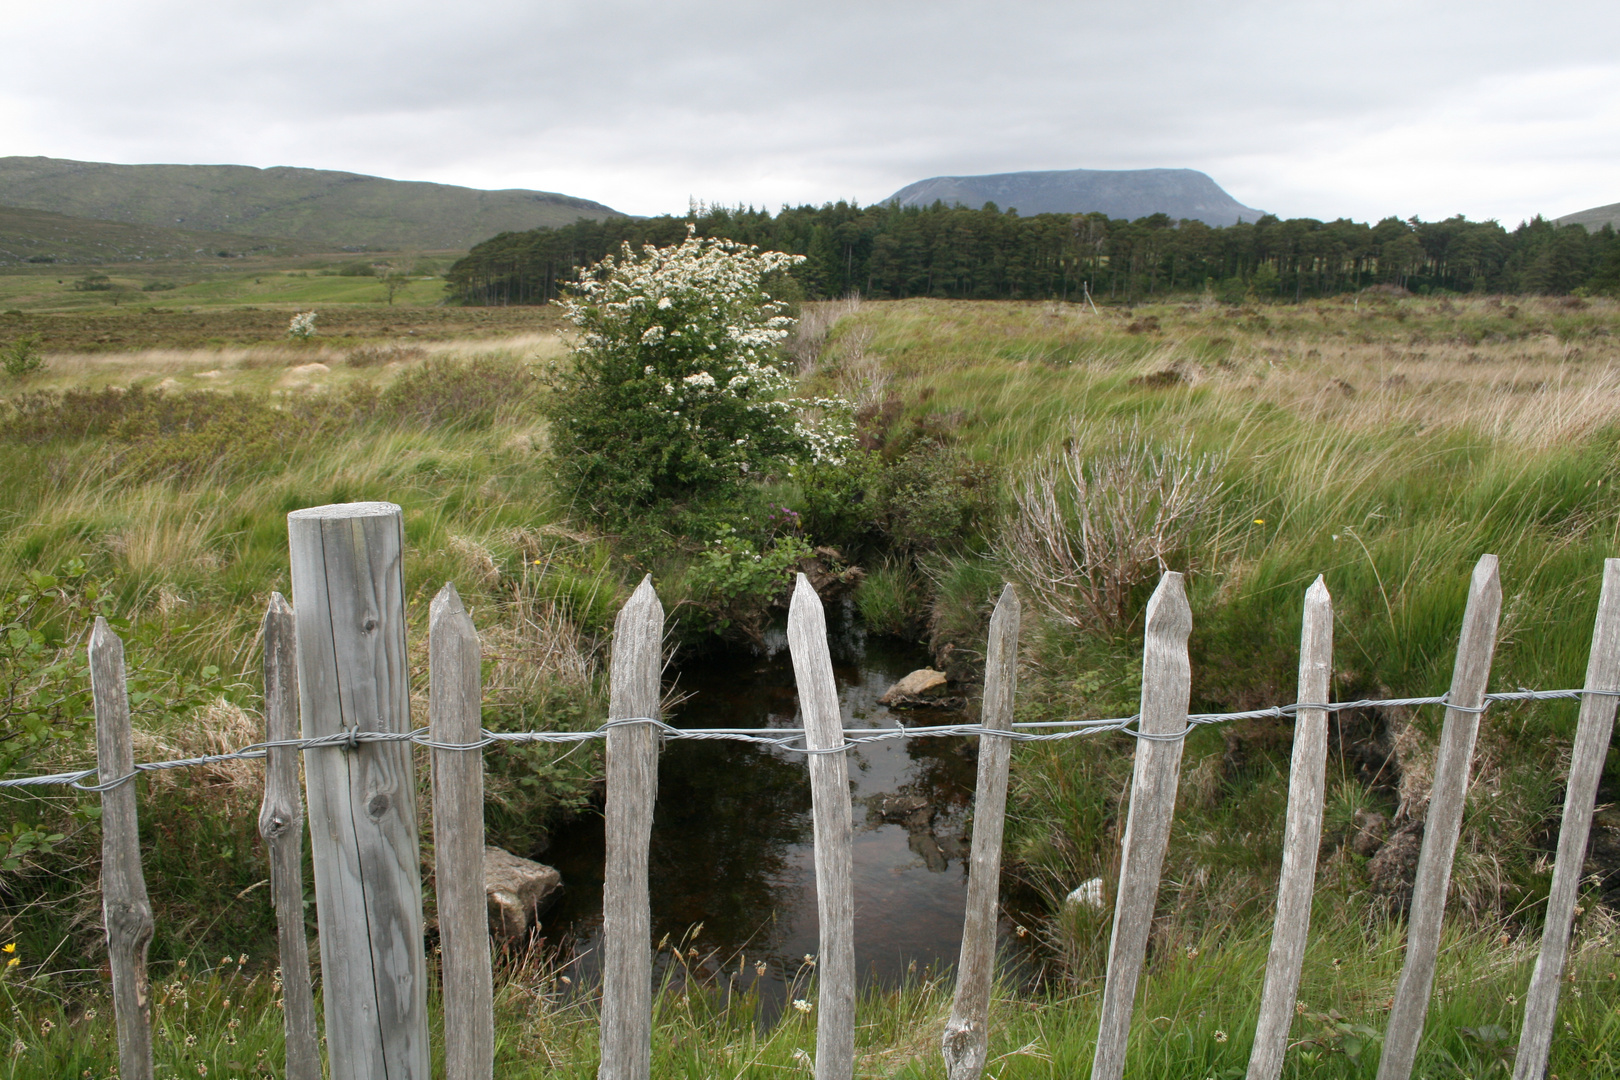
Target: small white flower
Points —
{"points": [[802, 1005], [664, 303]]}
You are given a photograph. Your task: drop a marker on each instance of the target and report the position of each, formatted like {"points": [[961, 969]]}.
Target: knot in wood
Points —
{"points": [[377, 806], [274, 825], [368, 625]]}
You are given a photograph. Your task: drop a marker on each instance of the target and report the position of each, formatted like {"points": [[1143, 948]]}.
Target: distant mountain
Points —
{"points": [[1595, 218], [1119, 193], [39, 236], [330, 209]]}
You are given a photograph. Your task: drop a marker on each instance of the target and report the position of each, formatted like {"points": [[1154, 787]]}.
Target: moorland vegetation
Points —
{"points": [[1384, 441]]}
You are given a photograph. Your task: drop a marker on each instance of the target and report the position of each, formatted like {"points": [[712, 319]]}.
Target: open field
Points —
{"points": [[292, 281], [1385, 444]]}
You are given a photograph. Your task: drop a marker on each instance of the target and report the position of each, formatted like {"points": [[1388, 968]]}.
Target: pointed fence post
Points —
{"points": [[1166, 688], [632, 786], [834, 834], [967, 1034], [1585, 768], [1301, 838], [281, 825], [124, 904], [455, 700], [1475, 648], [353, 675]]}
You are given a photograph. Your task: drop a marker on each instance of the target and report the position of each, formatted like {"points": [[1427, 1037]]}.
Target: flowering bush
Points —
{"points": [[302, 326], [676, 387]]}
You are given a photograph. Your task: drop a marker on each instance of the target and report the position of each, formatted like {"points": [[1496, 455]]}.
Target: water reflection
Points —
{"points": [[731, 841]]}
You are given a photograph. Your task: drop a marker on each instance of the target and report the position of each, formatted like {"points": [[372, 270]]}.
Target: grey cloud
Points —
{"points": [[643, 104]]}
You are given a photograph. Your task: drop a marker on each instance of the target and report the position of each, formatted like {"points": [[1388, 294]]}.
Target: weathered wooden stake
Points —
{"points": [[124, 905], [1166, 688], [632, 786], [281, 824], [1585, 768], [1475, 648], [353, 674], [1301, 838], [834, 833], [967, 1034], [455, 698]]}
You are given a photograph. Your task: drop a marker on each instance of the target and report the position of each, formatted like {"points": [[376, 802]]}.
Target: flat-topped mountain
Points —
{"points": [[1595, 218], [1119, 193], [333, 209]]}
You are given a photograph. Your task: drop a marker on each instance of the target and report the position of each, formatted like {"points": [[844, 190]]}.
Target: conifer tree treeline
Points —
{"points": [[891, 252]]}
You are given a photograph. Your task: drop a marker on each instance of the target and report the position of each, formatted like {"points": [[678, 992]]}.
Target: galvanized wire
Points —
{"points": [[789, 740]]}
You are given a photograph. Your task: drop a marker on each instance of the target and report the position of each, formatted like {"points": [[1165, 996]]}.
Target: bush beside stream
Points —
{"points": [[1384, 444]]}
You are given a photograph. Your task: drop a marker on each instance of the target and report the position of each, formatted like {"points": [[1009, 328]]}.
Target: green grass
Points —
{"points": [[1194, 1018], [305, 283], [1383, 445]]}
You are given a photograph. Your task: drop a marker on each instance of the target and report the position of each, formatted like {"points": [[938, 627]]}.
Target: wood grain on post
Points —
{"points": [[281, 824], [1301, 838], [353, 674], [834, 834], [632, 786], [1475, 648], [124, 904], [455, 700], [1585, 768], [1166, 688], [967, 1034]]}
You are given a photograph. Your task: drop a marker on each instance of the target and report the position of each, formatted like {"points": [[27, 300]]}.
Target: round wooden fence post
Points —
{"points": [[834, 833], [281, 825], [1475, 648], [124, 904], [353, 675], [1166, 689]]}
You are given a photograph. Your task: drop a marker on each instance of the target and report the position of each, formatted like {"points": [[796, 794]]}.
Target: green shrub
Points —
{"points": [[23, 357], [44, 697], [456, 396], [734, 581], [933, 498], [836, 499], [890, 599], [676, 389]]}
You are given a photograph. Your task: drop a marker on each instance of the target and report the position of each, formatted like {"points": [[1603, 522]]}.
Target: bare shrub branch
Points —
{"points": [[1089, 528]]}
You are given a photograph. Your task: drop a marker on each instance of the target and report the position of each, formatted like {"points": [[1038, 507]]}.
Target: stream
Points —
{"points": [[731, 839]]}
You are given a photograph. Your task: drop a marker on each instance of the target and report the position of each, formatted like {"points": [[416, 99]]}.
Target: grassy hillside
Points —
{"points": [[1383, 443], [40, 237], [331, 209], [1595, 218]]}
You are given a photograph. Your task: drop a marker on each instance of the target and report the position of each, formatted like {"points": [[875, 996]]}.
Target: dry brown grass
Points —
{"points": [[260, 366]]}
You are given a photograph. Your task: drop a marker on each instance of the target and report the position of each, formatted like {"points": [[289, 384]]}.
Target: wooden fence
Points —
{"points": [[337, 659]]}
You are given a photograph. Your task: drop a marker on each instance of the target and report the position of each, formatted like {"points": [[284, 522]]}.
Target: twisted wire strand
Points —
{"points": [[789, 740]]}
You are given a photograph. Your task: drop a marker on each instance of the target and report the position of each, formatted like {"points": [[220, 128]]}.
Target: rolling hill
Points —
{"points": [[1595, 218], [40, 236], [315, 206], [1119, 193]]}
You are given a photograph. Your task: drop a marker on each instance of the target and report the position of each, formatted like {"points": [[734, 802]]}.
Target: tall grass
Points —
{"points": [[1384, 445], [1194, 1018]]}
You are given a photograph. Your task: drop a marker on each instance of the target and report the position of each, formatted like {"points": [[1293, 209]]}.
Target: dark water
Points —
{"points": [[731, 841]]}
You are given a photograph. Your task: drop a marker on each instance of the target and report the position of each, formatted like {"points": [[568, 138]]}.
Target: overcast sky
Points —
{"points": [[1361, 109]]}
